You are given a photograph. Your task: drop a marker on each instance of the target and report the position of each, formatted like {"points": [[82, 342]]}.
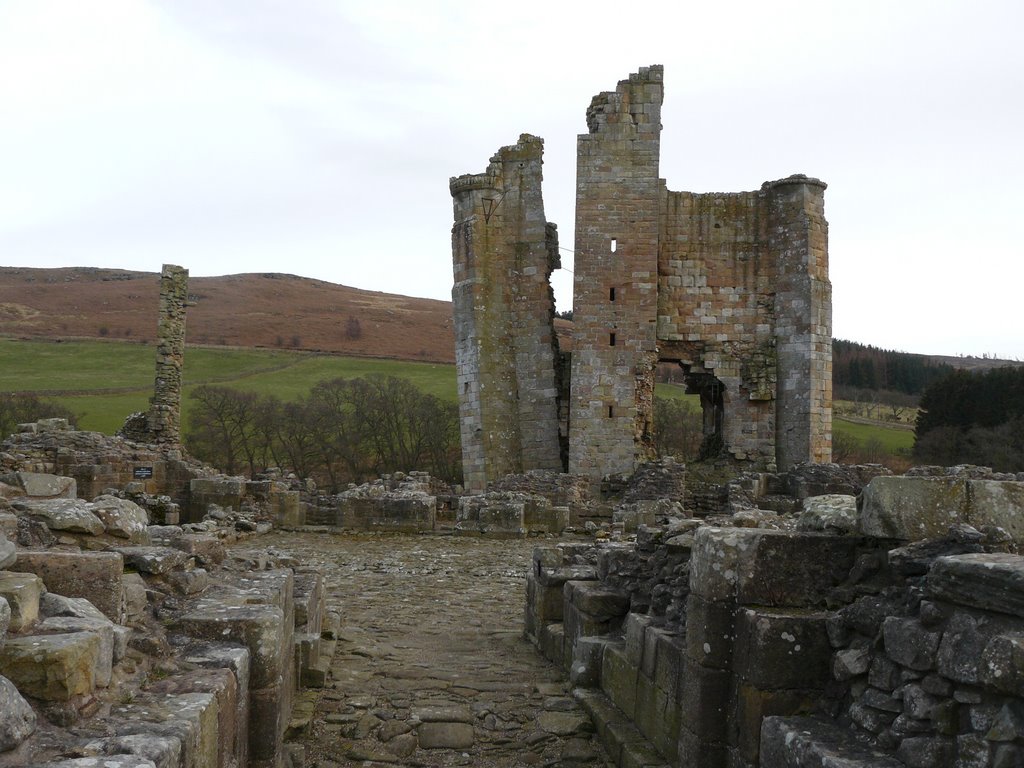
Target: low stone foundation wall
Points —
{"points": [[736, 647]]}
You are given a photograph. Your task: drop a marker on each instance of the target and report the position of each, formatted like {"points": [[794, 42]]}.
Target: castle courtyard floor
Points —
{"points": [[431, 668]]}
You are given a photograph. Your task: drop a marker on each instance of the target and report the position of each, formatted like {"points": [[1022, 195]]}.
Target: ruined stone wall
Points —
{"points": [[615, 299], [744, 297], [504, 252], [164, 418], [733, 287]]}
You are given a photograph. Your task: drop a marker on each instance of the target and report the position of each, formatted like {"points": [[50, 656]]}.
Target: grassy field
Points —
{"points": [[897, 441], [102, 382]]}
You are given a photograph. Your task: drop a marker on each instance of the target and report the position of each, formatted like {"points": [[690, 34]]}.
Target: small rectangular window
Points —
{"points": [[611, 339], [615, 244], [611, 411], [611, 294]]}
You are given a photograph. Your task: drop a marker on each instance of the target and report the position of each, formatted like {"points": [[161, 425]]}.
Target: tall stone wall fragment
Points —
{"points": [[164, 417], [615, 287], [506, 352]]}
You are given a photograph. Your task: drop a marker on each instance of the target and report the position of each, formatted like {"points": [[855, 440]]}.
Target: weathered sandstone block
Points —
{"points": [[96, 576], [51, 667], [914, 508], [21, 592]]}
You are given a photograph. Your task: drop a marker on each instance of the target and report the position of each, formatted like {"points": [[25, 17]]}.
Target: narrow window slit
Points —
{"points": [[611, 339], [611, 294], [615, 244]]}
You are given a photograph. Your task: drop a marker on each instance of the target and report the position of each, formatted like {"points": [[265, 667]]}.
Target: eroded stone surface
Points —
{"points": [[51, 667], [17, 720], [71, 515], [122, 518]]}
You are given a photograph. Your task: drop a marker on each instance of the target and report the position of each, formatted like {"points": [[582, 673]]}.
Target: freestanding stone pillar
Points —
{"points": [[164, 418]]}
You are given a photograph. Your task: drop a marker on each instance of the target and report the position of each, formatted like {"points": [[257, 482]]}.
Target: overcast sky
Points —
{"points": [[316, 137]]}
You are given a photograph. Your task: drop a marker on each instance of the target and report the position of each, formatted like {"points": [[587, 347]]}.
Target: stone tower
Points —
{"points": [[504, 253], [732, 287], [163, 420], [615, 289]]}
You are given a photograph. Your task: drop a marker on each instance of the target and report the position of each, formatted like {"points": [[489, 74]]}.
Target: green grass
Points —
{"points": [[90, 369], [83, 373], [893, 440]]}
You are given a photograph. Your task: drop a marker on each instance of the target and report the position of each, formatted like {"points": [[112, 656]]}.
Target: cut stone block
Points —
{"points": [[915, 508], [401, 513], [710, 631], [804, 742], [22, 592], [191, 718], [993, 582], [236, 659], [51, 667], [310, 601], [618, 678], [224, 686], [765, 567], [776, 649], [96, 576], [153, 560], [257, 627], [207, 550], [102, 627]]}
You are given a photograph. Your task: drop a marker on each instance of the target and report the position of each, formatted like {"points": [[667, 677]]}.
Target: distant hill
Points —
{"points": [[249, 310], [280, 311]]}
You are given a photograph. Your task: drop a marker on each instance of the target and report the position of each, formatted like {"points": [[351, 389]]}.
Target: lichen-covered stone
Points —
{"points": [[70, 515], [992, 582], [915, 508], [122, 518], [836, 513]]}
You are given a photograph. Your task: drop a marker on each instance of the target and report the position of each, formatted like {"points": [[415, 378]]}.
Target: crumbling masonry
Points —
{"points": [[164, 417], [731, 286]]}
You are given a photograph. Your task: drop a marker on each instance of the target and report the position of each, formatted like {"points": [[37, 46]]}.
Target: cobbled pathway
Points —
{"points": [[431, 668]]}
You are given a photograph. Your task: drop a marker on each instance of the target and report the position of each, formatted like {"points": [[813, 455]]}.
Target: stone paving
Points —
{"points": [[431, 668]]}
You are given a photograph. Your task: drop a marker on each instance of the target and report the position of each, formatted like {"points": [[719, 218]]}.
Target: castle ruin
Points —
{"points": [[733, 287]]}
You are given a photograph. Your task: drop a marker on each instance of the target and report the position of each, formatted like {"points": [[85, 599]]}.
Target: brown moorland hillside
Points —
{"points": [[248, 310]]}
